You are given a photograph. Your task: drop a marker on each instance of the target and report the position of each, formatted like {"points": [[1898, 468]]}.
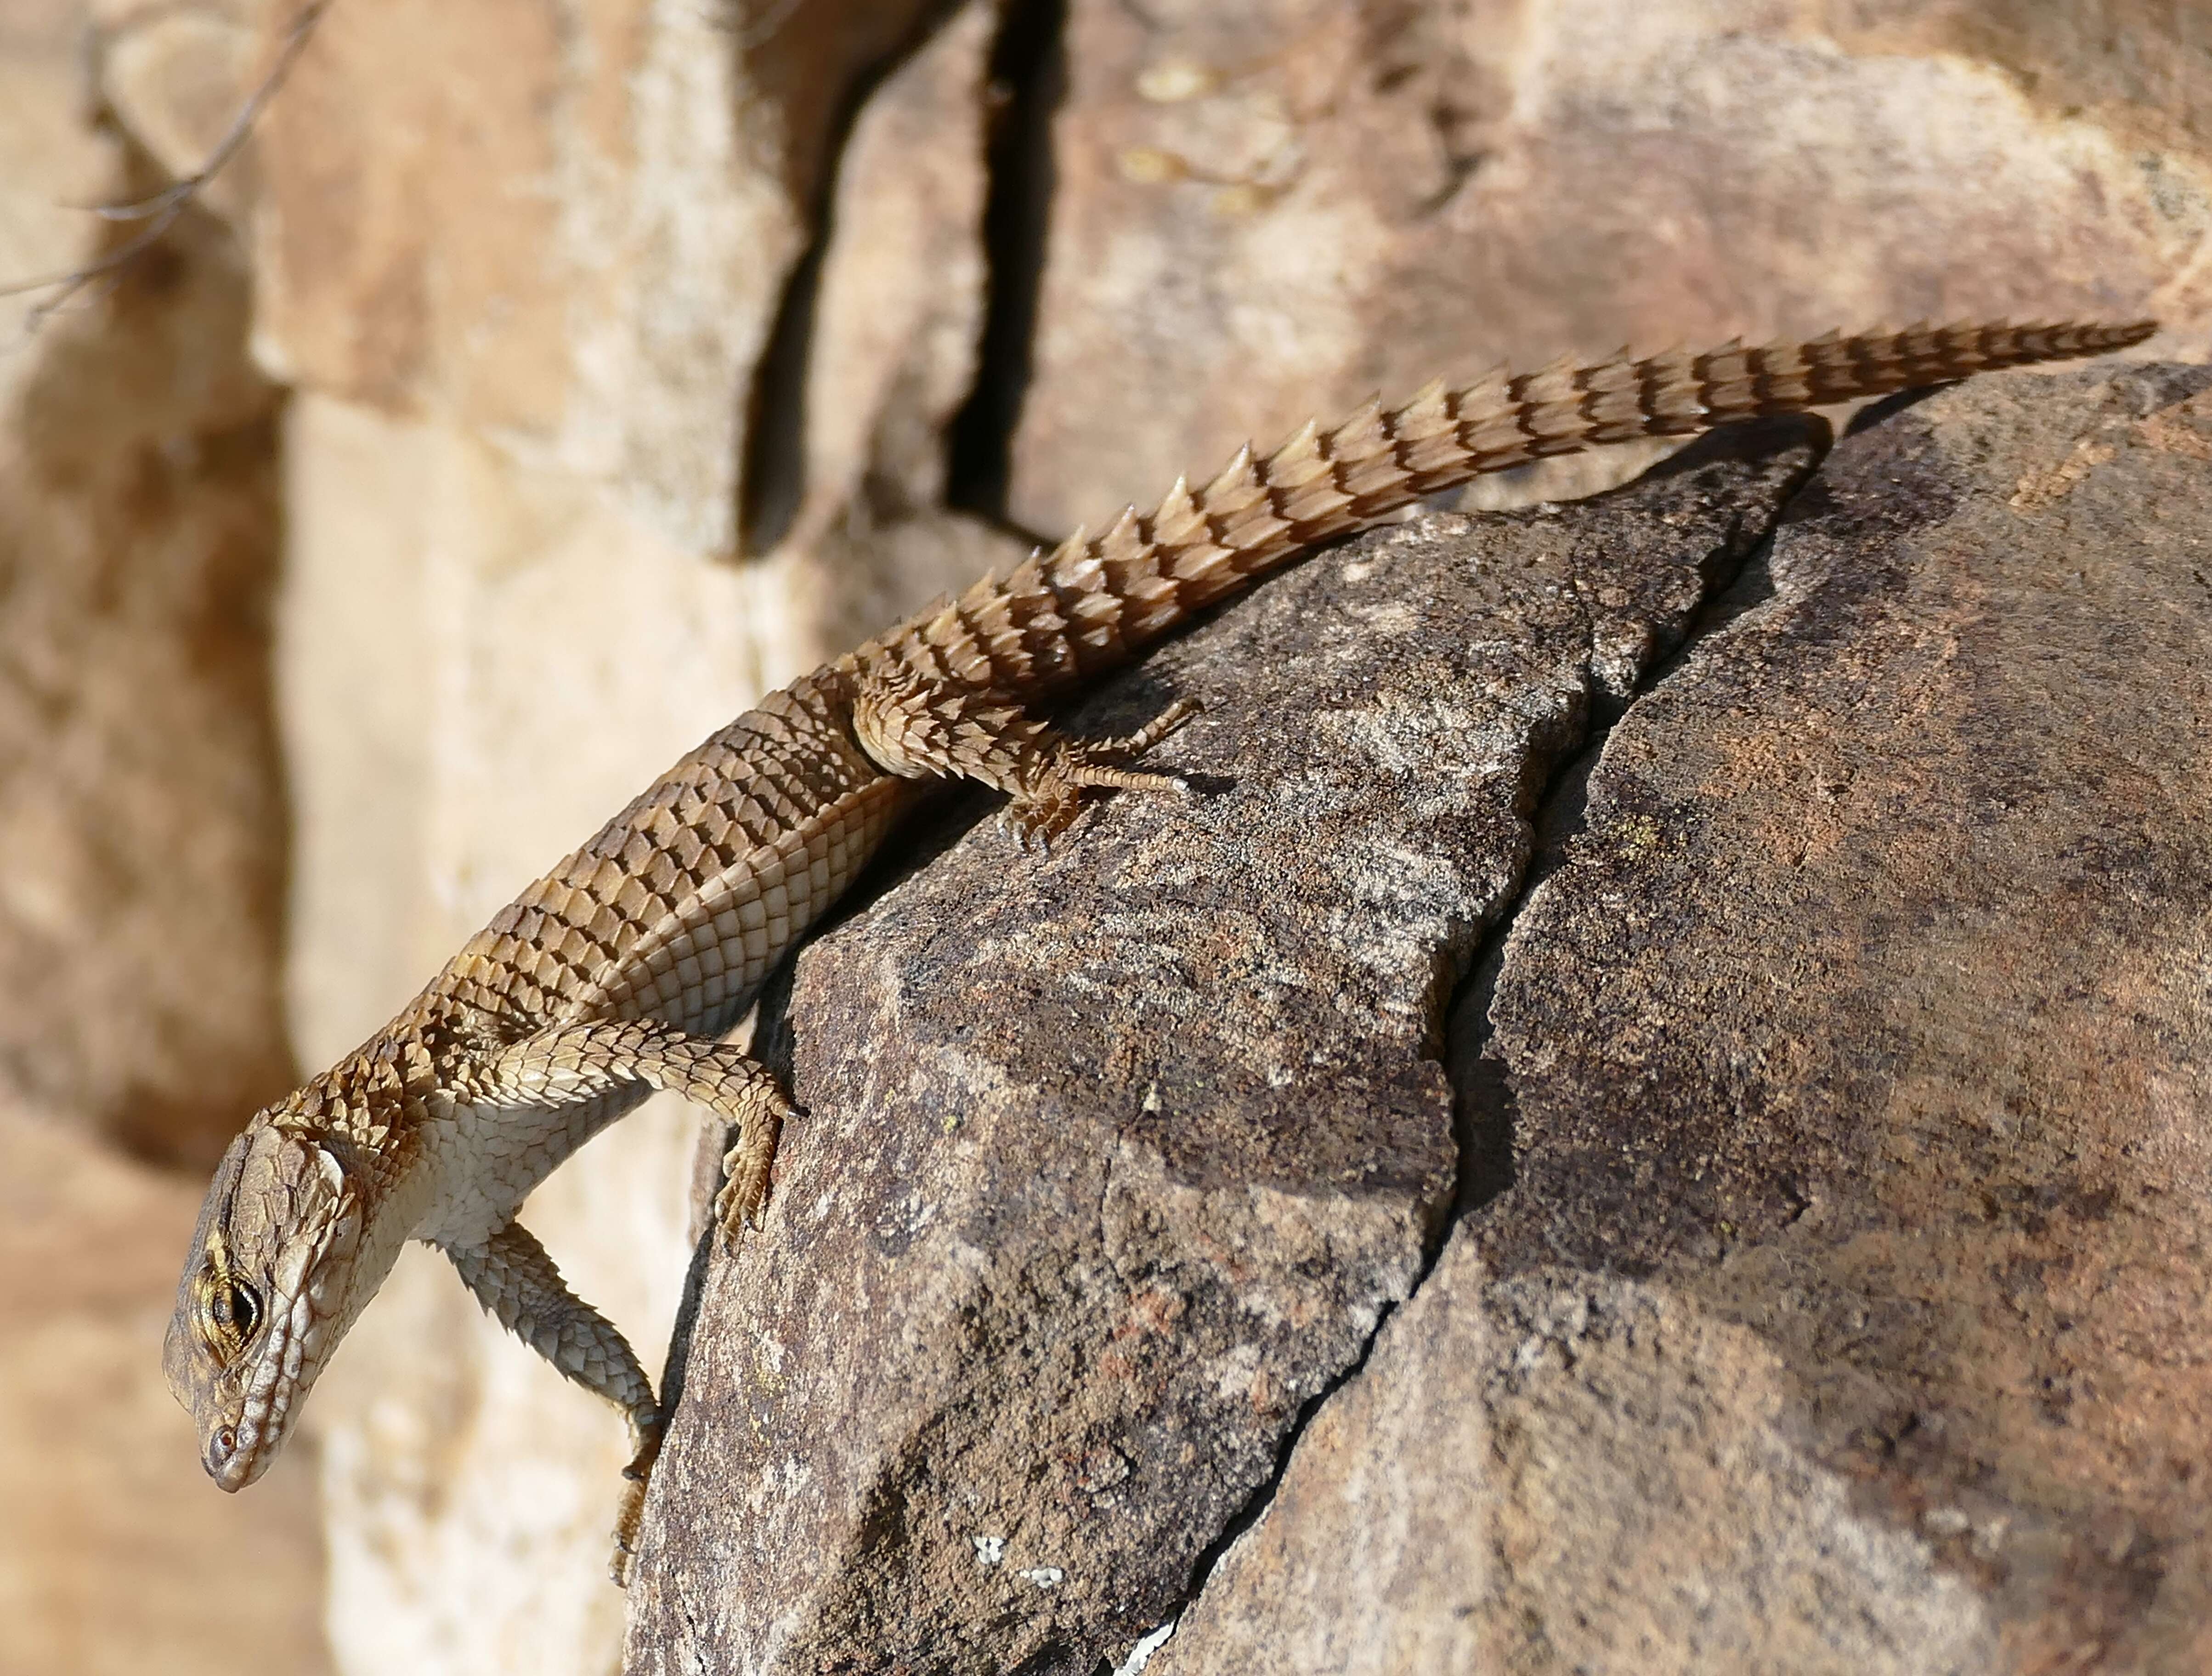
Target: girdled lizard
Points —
{"points": [[616, 974]]}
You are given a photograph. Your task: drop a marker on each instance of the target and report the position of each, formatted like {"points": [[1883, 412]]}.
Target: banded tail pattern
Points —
{"points": [[1095, 600]]}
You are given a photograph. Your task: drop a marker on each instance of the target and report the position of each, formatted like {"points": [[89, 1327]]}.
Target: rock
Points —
{"points": [[566, 299], [1263, 213], [141, 806], [1108, 1170], [1827, 1289], [468, 1497], [142, 872], [1862, 1023], [176, 79], [55, 161], [850, 482], [1547, 1474], [573, 239], [1365, 1563], [117, 1554], [1830, 1293]]}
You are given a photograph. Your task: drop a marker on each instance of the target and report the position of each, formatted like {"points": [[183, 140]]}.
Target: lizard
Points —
{"points": [[618, 972]]}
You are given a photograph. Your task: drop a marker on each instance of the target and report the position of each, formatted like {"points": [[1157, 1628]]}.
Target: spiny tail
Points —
{"points": [[1096, 599]]}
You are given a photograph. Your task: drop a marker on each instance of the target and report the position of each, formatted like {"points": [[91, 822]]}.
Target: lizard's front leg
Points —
{"points": [[571, 1062], [517, 1281]]}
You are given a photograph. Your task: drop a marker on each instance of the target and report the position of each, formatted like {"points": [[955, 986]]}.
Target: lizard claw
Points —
{"points": [[737, 1206], [646, 1429], [1035, 821], [745, 1174], [627, 1520]]}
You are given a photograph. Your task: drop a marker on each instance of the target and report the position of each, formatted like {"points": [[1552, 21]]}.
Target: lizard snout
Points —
{"points": [[222, 1449]]}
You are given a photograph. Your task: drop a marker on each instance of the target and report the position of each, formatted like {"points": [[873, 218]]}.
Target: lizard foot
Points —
{"points": [[645, 1429], [746, 1169], [1051, 800]]}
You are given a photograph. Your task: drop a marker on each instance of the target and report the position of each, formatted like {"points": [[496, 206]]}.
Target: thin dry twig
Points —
{"points": [[159, 212]]}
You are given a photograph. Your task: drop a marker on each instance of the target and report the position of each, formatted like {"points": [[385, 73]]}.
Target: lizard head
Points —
{"points": [[270, 1285]]}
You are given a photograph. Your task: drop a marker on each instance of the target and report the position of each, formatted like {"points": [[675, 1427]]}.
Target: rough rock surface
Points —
{"points": [[1112, 1161], [1832, 1296], [1540, 1475], [1867, 1013]]}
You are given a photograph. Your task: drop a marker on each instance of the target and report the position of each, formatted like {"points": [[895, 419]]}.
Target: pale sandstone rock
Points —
{"points": [[892, 355], [477, 663], [117, 1556], [569, 233], [140, 810], [176, 78], [468, 1492], [55, 162], [142, 858], [2136, 67]]}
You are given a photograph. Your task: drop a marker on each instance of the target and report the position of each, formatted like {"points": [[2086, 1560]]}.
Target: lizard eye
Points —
{"points": [[235, 1311]]}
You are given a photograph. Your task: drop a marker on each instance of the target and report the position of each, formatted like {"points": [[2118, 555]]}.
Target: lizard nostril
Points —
{"points": [[222, 1446]]}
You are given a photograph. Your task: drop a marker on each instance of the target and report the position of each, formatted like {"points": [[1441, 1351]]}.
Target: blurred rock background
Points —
{"points": [[549, 379]]}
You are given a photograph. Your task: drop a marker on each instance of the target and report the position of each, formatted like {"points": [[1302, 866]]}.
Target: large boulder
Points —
{"points": [[1826, 1273], [1113, 1162]]}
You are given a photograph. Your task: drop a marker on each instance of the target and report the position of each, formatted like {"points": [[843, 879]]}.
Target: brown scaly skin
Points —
{"points": [[615, 974]]}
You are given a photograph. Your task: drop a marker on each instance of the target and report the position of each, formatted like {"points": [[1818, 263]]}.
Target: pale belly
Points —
{"points": [[483, 1161]]}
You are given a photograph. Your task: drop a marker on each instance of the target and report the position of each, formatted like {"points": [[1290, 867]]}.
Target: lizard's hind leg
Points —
{"points": [[925, 729]]}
